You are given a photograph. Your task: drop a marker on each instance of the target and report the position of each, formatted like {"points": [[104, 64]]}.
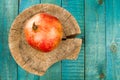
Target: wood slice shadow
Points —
{"points": [[33, 60]]}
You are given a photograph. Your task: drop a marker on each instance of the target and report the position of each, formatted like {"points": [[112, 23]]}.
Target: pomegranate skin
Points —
{"points": [[43, 32]]}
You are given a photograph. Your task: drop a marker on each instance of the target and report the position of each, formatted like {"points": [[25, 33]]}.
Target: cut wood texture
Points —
{"points": [[33, 60]]}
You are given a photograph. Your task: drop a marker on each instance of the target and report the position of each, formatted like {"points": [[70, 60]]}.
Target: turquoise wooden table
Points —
{"points": [[99, 58]]}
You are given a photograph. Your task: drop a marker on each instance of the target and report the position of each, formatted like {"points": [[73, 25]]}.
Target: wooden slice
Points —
{"points": [[35, 61]]}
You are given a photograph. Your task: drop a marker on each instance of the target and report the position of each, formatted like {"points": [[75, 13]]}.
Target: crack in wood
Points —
{"points": [[14, 29], [67, 18], [25, 62], [28, 60]]}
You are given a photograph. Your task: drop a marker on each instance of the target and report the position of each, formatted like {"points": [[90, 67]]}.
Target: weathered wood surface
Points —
{"points": [[56, 69], [33, 60], [99, 64], [8, 67], [22, 74], [95, 40], [112, 40], [74, 69]]}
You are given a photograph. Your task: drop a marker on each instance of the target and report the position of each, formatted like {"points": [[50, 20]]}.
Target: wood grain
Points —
{"points": [[8, 67], [95, 40], [74, 69], [112, 39], [22, 74], [30, 59], [99, 64]]}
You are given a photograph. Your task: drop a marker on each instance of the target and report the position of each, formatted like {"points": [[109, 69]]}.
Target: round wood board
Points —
{"points": [[37, 62]]}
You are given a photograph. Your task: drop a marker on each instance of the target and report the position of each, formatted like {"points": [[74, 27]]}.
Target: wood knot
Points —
{"points": [[113, 47], [102, 75], [100, 2]]}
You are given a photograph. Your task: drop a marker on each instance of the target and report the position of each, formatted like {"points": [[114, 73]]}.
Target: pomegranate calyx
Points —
{"points": [[34, 27]]}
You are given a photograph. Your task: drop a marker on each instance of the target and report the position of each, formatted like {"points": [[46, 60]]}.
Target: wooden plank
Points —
{"points": [[74, 69], [8, 67], [57, 2], [22, 74], [113, 39], [23, 4], [95, 39], [54, 72]]}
